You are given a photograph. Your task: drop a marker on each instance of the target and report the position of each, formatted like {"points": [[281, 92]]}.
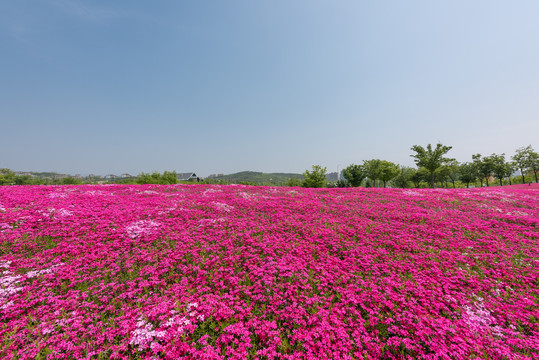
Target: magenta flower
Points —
{"points": [[240, 272]]}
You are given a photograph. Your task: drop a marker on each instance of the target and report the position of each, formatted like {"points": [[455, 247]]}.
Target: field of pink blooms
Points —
{"points": [[238, 272]]}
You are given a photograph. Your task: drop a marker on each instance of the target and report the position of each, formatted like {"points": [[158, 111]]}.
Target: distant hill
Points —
{"points": [[258, 178]]}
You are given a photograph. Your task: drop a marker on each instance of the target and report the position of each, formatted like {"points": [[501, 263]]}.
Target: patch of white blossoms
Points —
{"points": [[412, 193], [145, 335], [55, 195], [34, 273], [64, 213], [142, 227], [210, 191], [479, 319], [11, 284], [6, 226], [148, 192], [223, 206]]}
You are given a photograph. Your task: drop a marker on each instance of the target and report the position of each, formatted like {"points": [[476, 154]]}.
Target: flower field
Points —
{"points": [[238, 272]]}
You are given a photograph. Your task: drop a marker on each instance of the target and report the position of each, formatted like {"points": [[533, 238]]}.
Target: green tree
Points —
{"points": [[485, 167], [526, 160], [293, 181], [476, 161], [354, 174], [403, 179], [431, 159], [372, 170], [418, 176], [499, 166], [23, 180], [534, 163], [522, 160], [453, 171], [442, 174], [388, 171], [509, 170], [342, 183], [70, 181], [315, 178], [147, 178], [169, 177], [468, 173], [7, 177]]}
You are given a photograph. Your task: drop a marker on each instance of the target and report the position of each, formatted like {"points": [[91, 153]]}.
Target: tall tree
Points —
{"points": [[477, 165], [485, 167], [315, 178], [388, 171], [354, 174], [402, 180], [453, 173], [7, 176], [522, 159], [418, 176], [468, 173], [440, 175], [169, 177], [293, 181], [431, 159], [509, 170], [372, 169], [534, 163], [499, 166], [448, 171]]}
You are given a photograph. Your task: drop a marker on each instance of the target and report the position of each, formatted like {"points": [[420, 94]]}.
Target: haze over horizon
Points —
{"points": [[273, 86]]}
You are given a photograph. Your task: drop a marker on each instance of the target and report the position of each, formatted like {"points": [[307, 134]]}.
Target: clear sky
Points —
{"points": [[274, 86]]}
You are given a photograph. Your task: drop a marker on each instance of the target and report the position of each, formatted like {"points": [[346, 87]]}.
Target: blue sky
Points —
{"points": [[275, 86]]}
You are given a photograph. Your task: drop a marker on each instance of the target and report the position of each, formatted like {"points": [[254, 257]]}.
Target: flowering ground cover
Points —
{"points": [[237, 272]]}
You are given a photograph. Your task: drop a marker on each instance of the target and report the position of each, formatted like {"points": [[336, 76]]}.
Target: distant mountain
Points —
{"points": [[258, 178]]}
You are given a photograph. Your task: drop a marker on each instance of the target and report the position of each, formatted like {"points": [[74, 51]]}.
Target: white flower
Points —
{"points": [[35, 273], [142, 227], [223, 206], [56, 195], [4, 227], [64, 213], [145, 334], [412, 193], [478, 318]]}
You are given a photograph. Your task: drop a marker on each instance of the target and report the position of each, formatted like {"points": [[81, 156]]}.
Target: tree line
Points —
{"points": [[433, 168]]}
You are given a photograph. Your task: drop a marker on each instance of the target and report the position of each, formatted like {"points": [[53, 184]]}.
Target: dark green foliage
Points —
{"points": [[354, 175], [315, 178], [257, 178], [404, 178], [468, 173], [500, 168], [388, 171], [294, 181], [156, 178], [431, 159], [485, 167], [70, 181], [372, 170], [7, 177]]}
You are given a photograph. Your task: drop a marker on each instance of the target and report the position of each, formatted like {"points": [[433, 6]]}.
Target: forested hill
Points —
{"points": [[258, 178]]}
